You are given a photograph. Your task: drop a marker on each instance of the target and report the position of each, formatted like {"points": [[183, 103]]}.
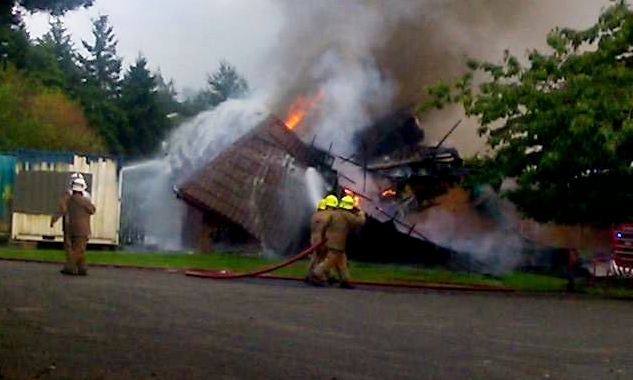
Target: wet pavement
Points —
{"points": [[135, 324]]}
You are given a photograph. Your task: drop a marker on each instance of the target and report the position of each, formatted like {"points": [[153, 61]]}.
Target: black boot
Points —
{"points": [[314, 281], [346, 285]]}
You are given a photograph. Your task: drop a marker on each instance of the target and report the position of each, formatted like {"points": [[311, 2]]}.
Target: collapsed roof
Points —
{"points": [[259, 184]]}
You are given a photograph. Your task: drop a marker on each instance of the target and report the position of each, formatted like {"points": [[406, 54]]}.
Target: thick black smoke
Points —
{"points": [[374, 57]]}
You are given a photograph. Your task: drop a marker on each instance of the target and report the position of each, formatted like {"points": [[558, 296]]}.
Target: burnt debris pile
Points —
{"points": [[394, 151]]}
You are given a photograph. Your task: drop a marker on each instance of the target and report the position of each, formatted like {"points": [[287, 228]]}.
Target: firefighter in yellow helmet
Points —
{"points": [[347, 203], [343, 220], [318, 224], [331, 202]]}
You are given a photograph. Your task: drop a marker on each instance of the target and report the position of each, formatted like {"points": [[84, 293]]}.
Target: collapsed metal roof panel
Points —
{"points": [[257, 183]]}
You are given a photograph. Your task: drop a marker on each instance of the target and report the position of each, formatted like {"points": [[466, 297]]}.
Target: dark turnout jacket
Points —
{"points": [[79, 209], [62, 207]]}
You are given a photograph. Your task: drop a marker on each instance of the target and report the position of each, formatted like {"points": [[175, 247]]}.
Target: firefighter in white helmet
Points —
{"points": [[79, 211], [76, 181]]}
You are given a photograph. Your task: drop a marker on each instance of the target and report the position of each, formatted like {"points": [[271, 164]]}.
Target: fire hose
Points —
{"points": [[226, 275]]}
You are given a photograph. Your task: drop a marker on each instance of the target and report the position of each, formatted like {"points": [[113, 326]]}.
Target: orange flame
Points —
{"points": [[300, 107], [388, 193]]}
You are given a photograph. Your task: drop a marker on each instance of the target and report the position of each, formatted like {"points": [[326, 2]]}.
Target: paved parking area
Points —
{"points": [[134, 324]]}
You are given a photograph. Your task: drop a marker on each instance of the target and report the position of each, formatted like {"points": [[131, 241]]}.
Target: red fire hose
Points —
{"points": [[226, 275], [229, 275]]}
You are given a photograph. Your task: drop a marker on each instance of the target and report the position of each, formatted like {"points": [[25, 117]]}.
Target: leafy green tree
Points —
{"points": [[147, 119], [13, 37], [9, 9], [33, 116], [561, 125], [224, 84], [54, 7]]}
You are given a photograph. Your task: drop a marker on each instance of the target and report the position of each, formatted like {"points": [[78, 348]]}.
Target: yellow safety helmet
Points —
{"points": [[347, 202], [331, 201], [321, 205]]}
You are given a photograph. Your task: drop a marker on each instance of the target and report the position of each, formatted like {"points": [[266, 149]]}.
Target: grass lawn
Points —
{"points": [[360, 271]]}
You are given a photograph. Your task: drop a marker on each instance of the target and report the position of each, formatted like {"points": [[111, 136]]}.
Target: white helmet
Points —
{"points": [[79, 184], [73, 177]]}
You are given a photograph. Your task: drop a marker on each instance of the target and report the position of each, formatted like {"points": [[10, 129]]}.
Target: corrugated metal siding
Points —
{"points": [[103, 178], [256, 183]]}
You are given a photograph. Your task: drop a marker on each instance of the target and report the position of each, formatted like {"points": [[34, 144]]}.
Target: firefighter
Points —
{"points": [[79, 209], [343, 220], [317, 233], [318, 224], [69, 266]]}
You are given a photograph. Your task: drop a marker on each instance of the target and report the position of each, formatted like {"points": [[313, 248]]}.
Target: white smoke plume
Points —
{"points": [[375, 57], [196, 142], [369, 58], [149, 203], [488, 233], [372, 57]]}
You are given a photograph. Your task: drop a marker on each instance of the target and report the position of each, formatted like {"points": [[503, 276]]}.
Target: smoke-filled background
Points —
{"points": [[373, 57], [356, 60], [370, 56]]}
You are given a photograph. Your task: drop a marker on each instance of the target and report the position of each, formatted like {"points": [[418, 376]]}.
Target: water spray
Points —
{"points": [[316, 186]]}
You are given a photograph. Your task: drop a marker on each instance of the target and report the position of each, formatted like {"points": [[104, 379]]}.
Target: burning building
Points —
{"points": [[372, 58], [259, 189], [255, 191]]}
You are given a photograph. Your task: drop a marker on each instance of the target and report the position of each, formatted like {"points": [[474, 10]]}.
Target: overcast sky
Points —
{"points": [[186, 39], [368, 57]]}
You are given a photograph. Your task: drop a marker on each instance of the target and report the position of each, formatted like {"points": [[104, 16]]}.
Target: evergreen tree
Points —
{"points": [[14, 40], [102, 66], [166, 92], [224, 84], [99, 92], [14, 45], [54, 7], [42, 65], [146, 116], [9, 9], [59, 42]]}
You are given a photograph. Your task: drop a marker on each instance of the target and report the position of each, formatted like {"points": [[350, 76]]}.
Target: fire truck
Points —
{"points": [[621, 263]]}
